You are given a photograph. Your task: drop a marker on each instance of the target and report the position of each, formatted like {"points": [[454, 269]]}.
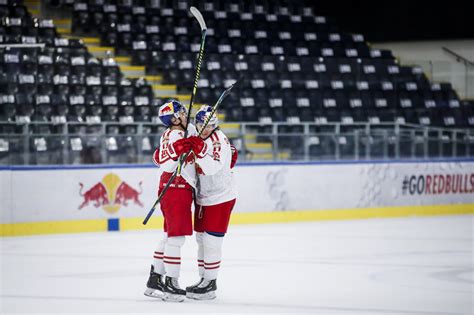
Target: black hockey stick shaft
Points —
{"points": [[202, 24], [181, 161]]}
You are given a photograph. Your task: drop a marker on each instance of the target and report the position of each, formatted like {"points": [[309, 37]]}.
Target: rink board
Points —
{"points": [[112, 198]]}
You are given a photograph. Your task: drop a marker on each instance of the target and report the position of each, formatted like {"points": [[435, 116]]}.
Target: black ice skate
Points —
{"points": [[206, 290], [189, 290], [155, 285], [172, 291]]}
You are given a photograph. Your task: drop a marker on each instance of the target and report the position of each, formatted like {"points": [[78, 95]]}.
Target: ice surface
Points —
{"points": [[378, 266]]}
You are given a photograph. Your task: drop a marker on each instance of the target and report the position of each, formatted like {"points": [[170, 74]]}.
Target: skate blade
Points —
{"points": [[168, 297], [202, 297], [153, 293]]}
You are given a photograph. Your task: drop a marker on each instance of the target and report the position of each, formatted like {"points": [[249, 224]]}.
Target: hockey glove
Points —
{"points": [[235, 155], [198, 146], [179, 147]]}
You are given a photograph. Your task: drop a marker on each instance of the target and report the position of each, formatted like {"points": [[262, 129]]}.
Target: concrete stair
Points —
{"points": [[34, 7], [256, 151], [260, 147], [164, 89], [231, 129], [130, 71], [281, 156], [63, 26]]}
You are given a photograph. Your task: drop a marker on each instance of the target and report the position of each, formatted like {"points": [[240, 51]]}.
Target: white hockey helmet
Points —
{"points": [[204, 114]]}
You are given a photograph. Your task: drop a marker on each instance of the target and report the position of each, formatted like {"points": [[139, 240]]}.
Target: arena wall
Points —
{"points": [[38, 200]]}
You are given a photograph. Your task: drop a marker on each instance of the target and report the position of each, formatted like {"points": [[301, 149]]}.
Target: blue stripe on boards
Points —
{"points": [[245, 164]]}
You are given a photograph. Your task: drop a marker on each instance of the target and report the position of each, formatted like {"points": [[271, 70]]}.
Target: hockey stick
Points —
{"points": [[181, 161], [195, 12], [203, 26]]}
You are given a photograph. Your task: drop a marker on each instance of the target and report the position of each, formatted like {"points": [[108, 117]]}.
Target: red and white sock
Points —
{"points": [[158, 256], [200, 255], [172, 256], [212, 255]]}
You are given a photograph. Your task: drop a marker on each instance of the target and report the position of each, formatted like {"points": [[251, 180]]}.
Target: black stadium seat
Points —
{"points": [[296, 65]]}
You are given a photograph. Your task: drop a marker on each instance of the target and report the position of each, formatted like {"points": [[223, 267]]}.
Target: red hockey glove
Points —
{"points": [[179, 147], [235, 155], [199, 146]]}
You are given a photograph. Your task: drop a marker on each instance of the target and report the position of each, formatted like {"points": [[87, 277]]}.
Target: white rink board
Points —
{"points": [[35, 195]]}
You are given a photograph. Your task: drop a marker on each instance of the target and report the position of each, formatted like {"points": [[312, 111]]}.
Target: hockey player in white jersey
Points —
{"points": [[175, 205], [215, 199]]}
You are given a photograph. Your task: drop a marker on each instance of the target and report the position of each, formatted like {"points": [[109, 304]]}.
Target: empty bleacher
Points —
{"points": [[307, 88]]}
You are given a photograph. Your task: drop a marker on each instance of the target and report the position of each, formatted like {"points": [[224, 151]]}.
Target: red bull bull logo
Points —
{"points": [[110, 194], [167, 109]]}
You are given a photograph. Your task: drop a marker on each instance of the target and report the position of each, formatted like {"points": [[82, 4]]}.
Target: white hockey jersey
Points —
{"points": [[216, 182], [167, 159]]}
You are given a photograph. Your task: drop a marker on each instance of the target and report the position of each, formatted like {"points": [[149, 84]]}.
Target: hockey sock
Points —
{"points": [[158, 256], [212, 255], [172, 256], [200, 255]]}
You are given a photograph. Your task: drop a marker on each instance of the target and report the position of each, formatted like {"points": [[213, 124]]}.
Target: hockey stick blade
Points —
{"points": [[226, 92], [219, 101], [216, 105], [214, 109], [199, 17]]}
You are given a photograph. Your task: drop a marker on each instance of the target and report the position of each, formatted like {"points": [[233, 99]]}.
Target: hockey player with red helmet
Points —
{"points": [[176, 203], [215, 199]]}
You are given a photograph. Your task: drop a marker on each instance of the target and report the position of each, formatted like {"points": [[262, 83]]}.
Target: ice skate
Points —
{"points": [[154, 286], [172, 291], [206, 290], [189, 290]]}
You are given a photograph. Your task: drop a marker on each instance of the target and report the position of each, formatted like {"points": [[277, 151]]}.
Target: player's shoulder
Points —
{"points": [[175, 133], [221, 134], [166, 133], [221, 137]]}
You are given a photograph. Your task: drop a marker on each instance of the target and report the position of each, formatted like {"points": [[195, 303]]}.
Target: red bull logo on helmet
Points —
{"points": [[167, 109], [111, 193], [204, 114]]}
